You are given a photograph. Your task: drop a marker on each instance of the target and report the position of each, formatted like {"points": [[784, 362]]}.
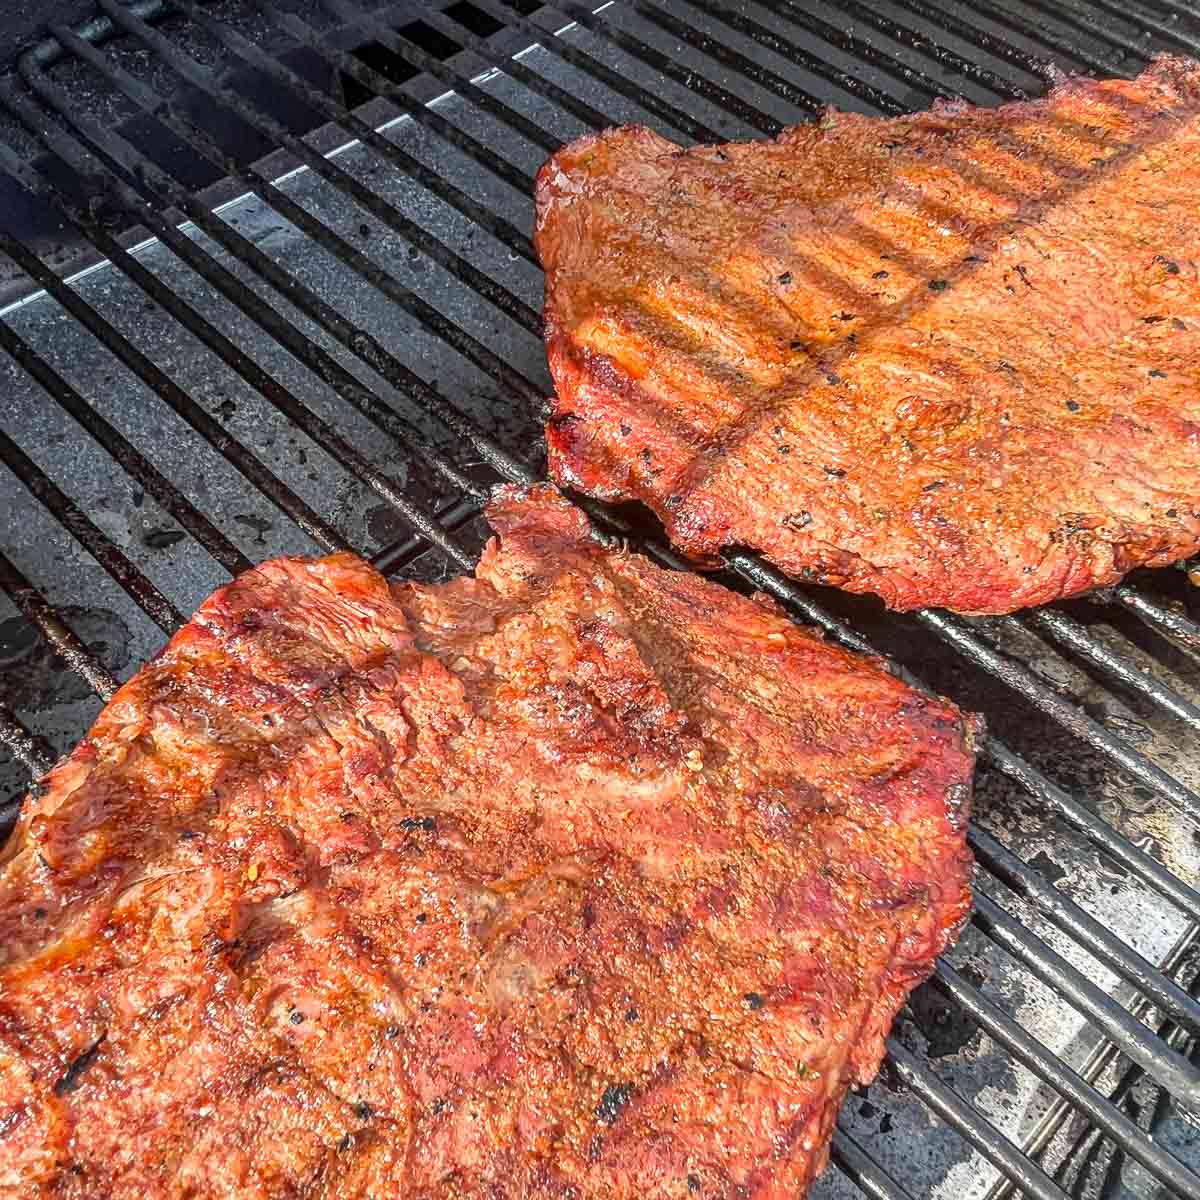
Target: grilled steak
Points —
{"points": [[577, 878], [950, 358]]}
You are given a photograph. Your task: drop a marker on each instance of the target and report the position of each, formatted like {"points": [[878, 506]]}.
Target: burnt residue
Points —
{"points": [[424, 824], [163, 539], [384, 524], [78, 1067], [945, 1026], [260, 525], [1047, 867], [612, 1103], [34, 677]]}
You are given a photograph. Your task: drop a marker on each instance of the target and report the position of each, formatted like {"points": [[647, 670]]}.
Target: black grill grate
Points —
{"points": [[413, 418]]}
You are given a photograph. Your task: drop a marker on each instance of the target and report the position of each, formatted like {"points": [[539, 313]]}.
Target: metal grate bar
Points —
{"points": [[1170, 624], [419, 59], [1068, 11], [1084, 928], [851, 84], [727, 57], [957, 1113], [503, 231], [360, 343], [588, 116], [423, 114], [318, 360], [653, 58], [995, 46], [30, 749], [81, 527], [187, 67], [1102, 835], [152, 179], [940, 54], [1041, 33], [1018, 677], [1068, 632], [1136, 1041], [850, 1158], [1004, 1030], [863, 50], [123, 452], [213, 433], [40, 611]]}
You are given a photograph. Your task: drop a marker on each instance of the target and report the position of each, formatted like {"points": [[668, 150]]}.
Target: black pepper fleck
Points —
{"points": [[1172, 513], [693, 1183], [880, 275], [363, 1111], [934, 486], [428, 824], [938, 285], [1073, 405], [754, 1000], [296, 1017], [1157, 374], [422, 918], [786, 277], [834, 472]]}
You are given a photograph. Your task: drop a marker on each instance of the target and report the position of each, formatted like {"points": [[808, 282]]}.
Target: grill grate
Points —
{"points": [[352, 331]]}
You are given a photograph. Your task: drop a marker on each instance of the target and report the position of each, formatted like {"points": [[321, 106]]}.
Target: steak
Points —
{"points": [[578, 878], [950, 358]]}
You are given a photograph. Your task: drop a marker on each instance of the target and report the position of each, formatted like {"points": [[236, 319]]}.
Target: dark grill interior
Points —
{"points": [[341, 348]]}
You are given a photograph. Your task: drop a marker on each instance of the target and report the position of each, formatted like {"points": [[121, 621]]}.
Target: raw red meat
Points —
{"points": [[579, 878]]}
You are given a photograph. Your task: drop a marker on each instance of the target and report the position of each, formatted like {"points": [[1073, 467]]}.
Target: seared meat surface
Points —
{"points": [[575, 878], [951, 358]]}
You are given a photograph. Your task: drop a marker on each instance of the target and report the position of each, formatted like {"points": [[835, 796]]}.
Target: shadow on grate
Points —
{"points": [[338, 345]]}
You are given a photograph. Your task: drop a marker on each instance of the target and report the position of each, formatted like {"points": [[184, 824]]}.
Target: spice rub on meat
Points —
{"points": [[951, 358], [578, 878]]}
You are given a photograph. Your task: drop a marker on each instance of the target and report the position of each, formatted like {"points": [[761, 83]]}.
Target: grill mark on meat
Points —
{"points": [[1065, 153], [466, 926]]}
